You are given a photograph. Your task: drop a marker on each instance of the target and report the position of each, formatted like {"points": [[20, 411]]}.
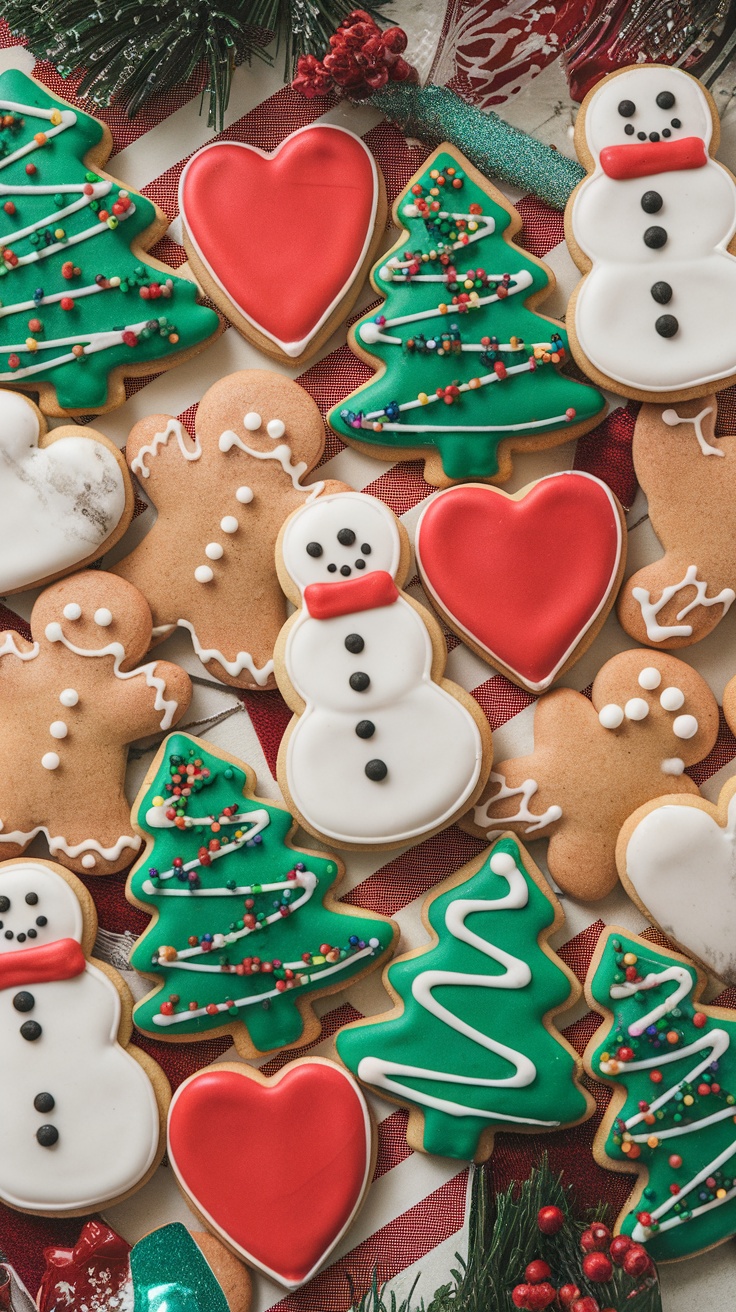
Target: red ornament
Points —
{"points": [[95, 1268], [636, 1262], [550, 1220], [540, 1296], [586, 1304], [520, 1295], [567, 1295], [597, 1267], [619, 1248], [537, 1271]]}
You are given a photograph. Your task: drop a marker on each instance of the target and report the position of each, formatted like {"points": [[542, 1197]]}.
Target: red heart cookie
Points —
{"points": [[276, 1167], [283, 235], [526, 577]]}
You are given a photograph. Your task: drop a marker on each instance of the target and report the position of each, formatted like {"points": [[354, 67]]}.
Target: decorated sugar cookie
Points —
{"points": [[525, 580], [689, 477], [651, 228], [470, 1046], [247, 933], [72, 700], [468, 369], [221, 499], [83, 304], [309, 1136], [282, 242], [672, 1062], [596, 760], [72, 1085], [382, 750]]}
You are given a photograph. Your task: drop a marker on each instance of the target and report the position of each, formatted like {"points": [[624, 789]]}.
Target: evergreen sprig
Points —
{"points": [[131, 49], [503, 1238]]}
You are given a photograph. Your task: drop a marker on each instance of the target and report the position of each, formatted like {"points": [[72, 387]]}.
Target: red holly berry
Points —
{"points": [[537, 1271], [636, 1261], [596, 1238], [550, 1220], [540, 1296], [567, 1295], [586, 1304], [519, 1295], [619, 1248], [598, 1267]]}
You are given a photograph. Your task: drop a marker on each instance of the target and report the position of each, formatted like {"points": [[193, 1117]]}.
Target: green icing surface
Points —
{"points": [[694, 1218], [275, 1021], [170, 1274], [81, 384], [513, 406], [502, 1013]]}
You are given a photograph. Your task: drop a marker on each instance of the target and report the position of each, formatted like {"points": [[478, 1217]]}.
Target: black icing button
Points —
{"points": [[626, 108], [662, 292], [44, 1102], [359, 681], [31, 1030], [346, 537], [47, 1135], [667, 325], [354, 643], [376, 770], [665, 100], [655, 238], [24, 1001], [365, 728], [651, 202]]}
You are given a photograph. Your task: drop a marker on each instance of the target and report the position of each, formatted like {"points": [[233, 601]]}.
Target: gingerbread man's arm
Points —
{"points": [[151, 698], [158, 449], [18, 650]]}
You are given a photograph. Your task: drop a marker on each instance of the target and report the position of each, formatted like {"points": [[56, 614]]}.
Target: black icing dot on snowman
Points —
{"points": [[24, 1001], [314, 549], [346, 537], [655, 237], [666, 325], [354, 643], [47, 1135], [651, 202], [661, 292], [365, 728], [665, 100], [376, 771], [44, 1102], [31, 1030], [626, 108]]}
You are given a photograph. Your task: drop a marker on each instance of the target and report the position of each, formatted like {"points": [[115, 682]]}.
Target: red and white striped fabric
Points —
{"points": [[415, 1213]]}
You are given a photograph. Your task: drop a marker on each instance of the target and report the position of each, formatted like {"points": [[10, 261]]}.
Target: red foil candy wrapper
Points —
{"points": [[86, 1276]]}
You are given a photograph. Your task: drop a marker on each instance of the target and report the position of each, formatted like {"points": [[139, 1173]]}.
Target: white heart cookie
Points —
{"points": [[677, 858], [65, 496]]}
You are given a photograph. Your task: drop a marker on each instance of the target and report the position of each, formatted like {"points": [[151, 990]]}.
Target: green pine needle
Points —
{"points": [[131, 49]]}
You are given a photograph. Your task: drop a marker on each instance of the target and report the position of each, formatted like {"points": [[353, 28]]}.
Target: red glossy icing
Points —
{"points": [[646, 157], [62, 959], [283, 234], [523, 578], [279, 1168], [326, 600]]}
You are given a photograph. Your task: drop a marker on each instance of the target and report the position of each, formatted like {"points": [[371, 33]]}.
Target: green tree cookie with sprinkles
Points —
{"points": [[468, 370], [246, 932], [673, 1115], [81, 304]]}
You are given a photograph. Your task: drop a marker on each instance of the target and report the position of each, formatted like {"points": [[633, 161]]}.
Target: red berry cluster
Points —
{"points": [[361, 59], [601, 1252]]}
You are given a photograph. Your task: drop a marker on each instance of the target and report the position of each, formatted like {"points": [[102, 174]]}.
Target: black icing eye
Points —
{"points": [[314, 549], [4, 904], [665, 100], [346, 537], [626, 108], [365, 548], [31, 899]]}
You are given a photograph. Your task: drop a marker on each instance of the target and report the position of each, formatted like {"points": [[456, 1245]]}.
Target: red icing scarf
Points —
{"points": [[326, 600], [643, 158], [42, 965]]}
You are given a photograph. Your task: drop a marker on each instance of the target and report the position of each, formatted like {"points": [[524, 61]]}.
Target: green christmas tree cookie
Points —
{"points": [[469, 1046], [673, 1117], [246, 933], [81, 304], [468, 369]]}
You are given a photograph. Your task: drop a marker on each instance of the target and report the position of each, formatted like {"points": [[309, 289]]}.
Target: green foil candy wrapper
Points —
{"points": [[170, 1274]]}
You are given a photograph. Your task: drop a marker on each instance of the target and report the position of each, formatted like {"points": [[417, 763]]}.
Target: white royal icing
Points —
{"points": [[526, 792], [650, 609], [672, 419], [57, 843], [190, 450]]}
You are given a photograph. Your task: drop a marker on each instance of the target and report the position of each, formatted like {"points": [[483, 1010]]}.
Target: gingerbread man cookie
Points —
{"points": [[689, 477], [70, 720], [594, 762], [207, 565]]}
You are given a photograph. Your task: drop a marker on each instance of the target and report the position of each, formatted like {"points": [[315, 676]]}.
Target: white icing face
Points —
{"points": [[37, 906], [343, 536], [657, 95]]}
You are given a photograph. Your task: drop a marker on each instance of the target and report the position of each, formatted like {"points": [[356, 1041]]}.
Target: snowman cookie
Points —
{"points": [[382, 750], [72, 1086], [71, 701], [596, 760], [66, 496], [652, 228], [221, 500]]}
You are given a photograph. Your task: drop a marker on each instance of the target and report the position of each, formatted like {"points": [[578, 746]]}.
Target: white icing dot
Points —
{"points": [[502, 863], [410, 211], [203, 574], [50, 761], [370, 332], [214, 551], [650, 678], [229, 524], [611, 716], [275, 428], [685, 726], [636, 709], [252, 421], [244, 495], [103, 617], [672, 699], [88, 861], [72, 611], [54, 632], [69, 697], [58, 729], [670, 418], [673, 765]]}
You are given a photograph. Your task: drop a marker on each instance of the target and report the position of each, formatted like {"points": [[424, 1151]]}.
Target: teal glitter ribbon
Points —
{"points": [[496, 148]]}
